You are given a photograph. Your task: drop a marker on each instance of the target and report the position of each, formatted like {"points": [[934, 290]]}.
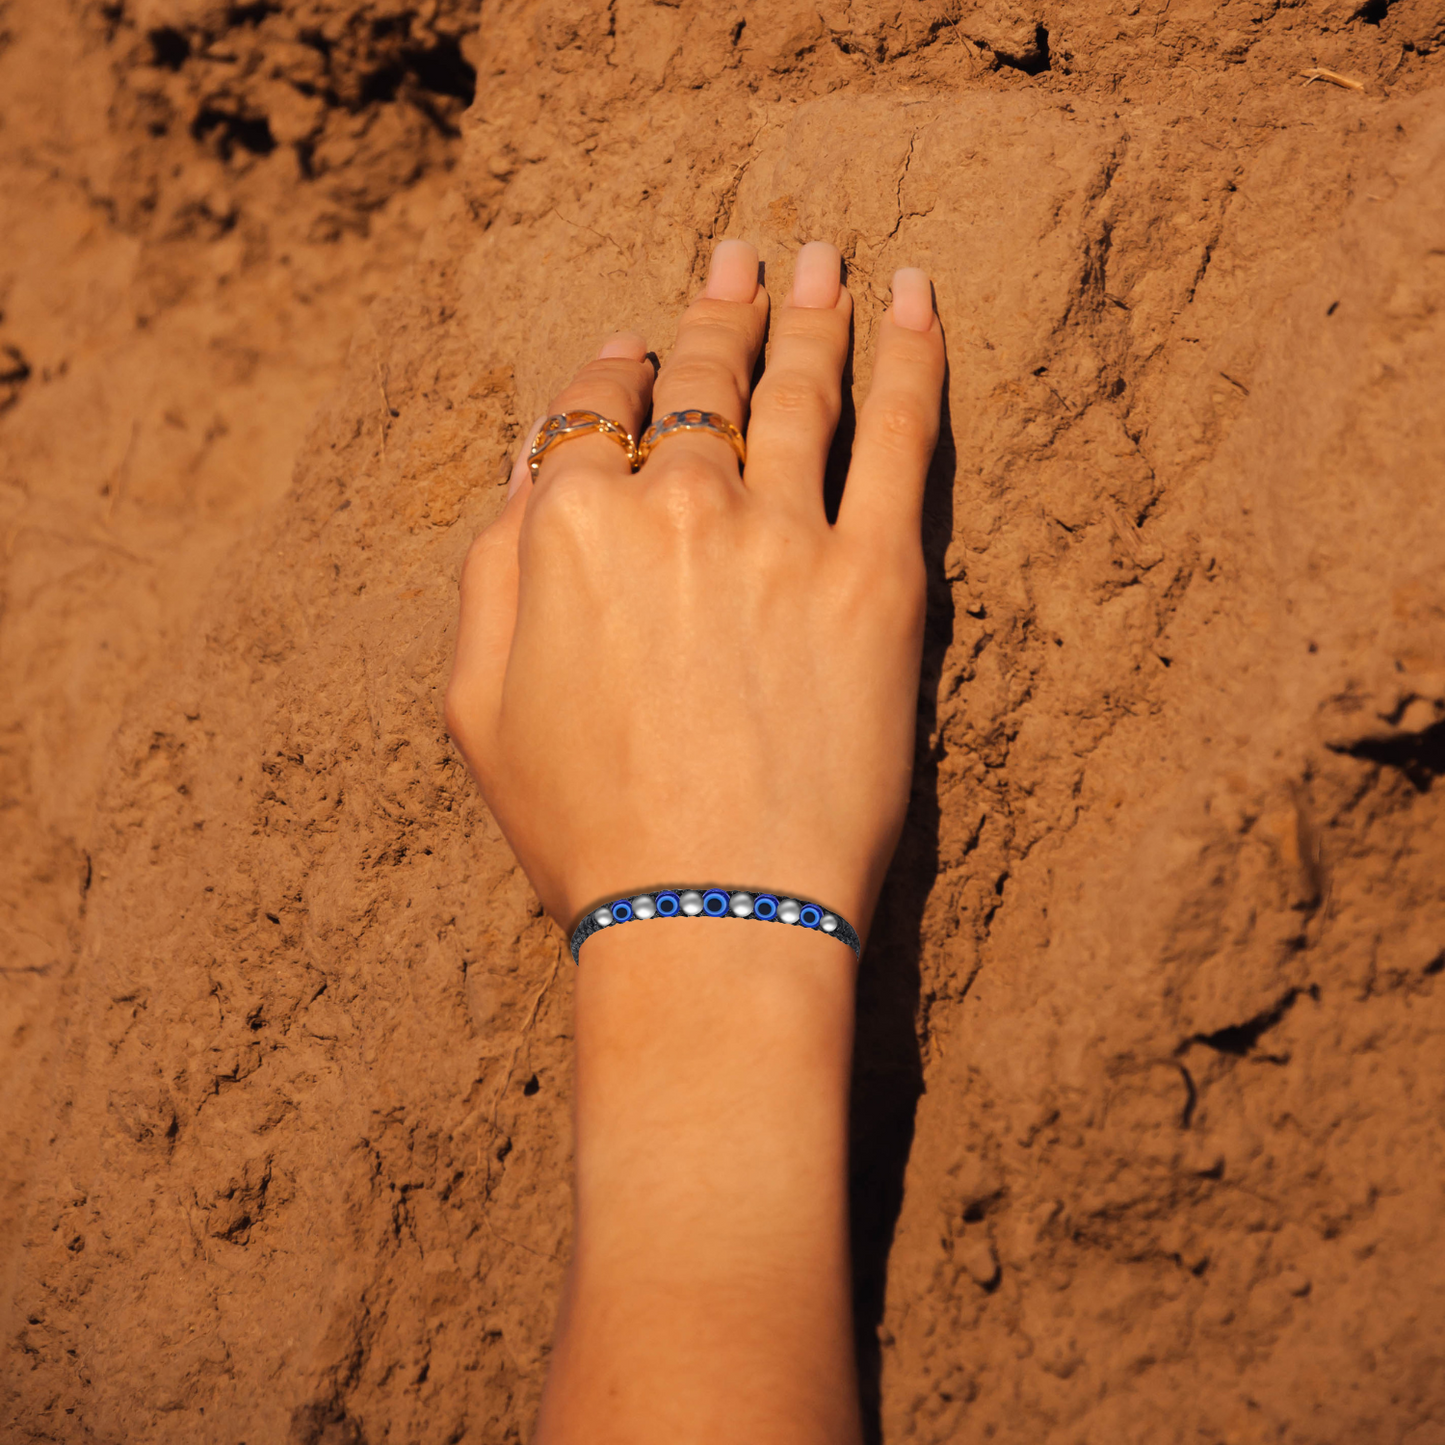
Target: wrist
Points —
{"points": [[639, 987], [696, 1028], [713, 1060]]}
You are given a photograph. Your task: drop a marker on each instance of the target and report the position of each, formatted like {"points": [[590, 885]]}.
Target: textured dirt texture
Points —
{"points": [[1150, 1076]]}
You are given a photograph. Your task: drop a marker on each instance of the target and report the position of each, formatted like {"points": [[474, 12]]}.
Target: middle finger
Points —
{"points": [[711, 365]]}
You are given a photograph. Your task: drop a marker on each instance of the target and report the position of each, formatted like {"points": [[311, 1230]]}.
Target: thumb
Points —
{"points": [[488, 618]]}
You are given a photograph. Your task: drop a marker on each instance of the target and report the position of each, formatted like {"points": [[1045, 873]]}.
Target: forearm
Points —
{"points": [[708, 1298]]}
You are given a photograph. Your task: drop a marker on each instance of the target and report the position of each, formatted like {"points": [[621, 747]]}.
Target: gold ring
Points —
{"points": [[564, 426], [681, 421]]}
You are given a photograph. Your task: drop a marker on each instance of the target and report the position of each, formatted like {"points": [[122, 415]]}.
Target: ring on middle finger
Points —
{"points": [[564, 426], [676, 422]]}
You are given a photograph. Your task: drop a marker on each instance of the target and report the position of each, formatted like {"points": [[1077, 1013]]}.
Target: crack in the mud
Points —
{"points": [[724, 210], [903, 176], [1240, 1040], [582, 226]]}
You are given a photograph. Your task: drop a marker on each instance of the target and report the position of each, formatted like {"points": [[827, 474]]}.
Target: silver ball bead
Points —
{"points": [[690, 902], [741, 905], [602, 917], [789, 910], [643, 906], [828, 923]]}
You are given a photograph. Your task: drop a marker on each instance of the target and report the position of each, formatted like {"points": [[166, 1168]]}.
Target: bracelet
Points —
{"points": [[714, 903]]}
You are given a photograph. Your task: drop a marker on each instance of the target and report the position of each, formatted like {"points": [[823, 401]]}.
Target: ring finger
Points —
{"points": [[711, 365]]}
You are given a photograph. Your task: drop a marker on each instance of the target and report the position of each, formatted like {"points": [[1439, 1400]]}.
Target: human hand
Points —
{"points": [[687, 675]]}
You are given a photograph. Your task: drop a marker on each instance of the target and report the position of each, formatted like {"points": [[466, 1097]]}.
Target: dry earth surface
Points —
{"points": [[1150, 1085]]}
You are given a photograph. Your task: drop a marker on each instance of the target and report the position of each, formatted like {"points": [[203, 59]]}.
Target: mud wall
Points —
{"points": [[1149, 1079]]}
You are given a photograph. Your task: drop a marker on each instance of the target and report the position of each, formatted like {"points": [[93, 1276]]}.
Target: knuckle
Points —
{"points": [[688, 373], [708, 364], [900, 425], [798, 394], [812, 326], [562, 507], [485, 550], [896, 417], [689, 496], [714, 323]]}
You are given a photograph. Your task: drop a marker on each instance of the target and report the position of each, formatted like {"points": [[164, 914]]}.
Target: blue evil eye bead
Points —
{"points": [[668, 904], [603, 917], [810, 915], [765, 906], [788, 910], [715, 903], [621, 911], [691, 902], [643, 906], [741, 905], [828, 923]]}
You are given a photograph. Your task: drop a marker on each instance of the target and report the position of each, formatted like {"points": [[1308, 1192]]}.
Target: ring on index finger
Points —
{"points": [[567, 425], [677, 422]]}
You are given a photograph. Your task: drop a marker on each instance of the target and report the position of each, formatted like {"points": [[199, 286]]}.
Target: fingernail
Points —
{"points": [[817, 276], [521, 467], [732, 274], [625, 344], [912, 299]]}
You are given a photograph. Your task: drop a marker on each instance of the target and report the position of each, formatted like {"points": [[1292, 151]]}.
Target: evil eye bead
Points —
{"points": [[603, 917], [643, 906], [667, 905], [765, 906], [810, 915], [828, 923], [788, 910], [715, 903], [691, 902], [621, 911]]}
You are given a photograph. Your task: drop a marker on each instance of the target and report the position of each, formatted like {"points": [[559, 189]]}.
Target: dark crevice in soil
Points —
{"points": [[440, 69], [1036, 62], [1239, 1040], [230, 132], [1191, 1098], [170, 49], [251, 14], [325, 1423], [444, 70], [1420, 756]]}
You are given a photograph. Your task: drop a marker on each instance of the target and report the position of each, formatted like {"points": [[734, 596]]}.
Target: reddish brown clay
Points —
{"points": [[1150, 1069]]}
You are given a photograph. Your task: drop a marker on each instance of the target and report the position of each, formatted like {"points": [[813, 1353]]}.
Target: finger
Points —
{"points": [[711, 365], [617, 385], [795, 411], [898, 426], [488, 618]]}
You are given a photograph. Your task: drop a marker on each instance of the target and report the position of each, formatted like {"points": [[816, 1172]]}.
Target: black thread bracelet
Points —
{"points": [[714, 903]]}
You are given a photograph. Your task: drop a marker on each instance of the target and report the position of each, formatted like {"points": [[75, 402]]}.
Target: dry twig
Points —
{"points": [[1318, 72]]}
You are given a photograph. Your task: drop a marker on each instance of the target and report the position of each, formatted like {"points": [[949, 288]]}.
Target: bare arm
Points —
{"points": [[688, 675]]}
